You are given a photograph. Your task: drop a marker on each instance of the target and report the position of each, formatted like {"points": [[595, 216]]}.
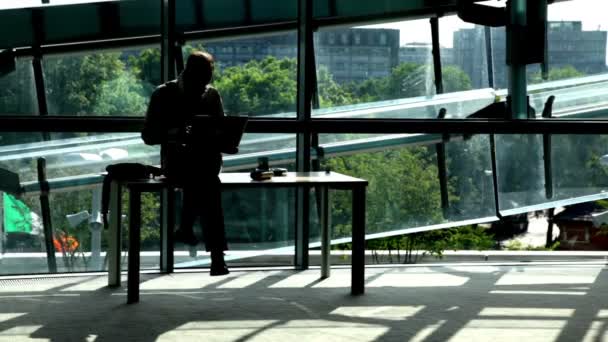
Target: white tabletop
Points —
{"points": [[292, 178], [243, 179]]}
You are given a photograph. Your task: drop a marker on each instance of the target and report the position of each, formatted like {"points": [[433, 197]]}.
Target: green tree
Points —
{"points": [[455, 79], [121, 96], [403, 189], [73, 83], [146, 66], [331, 93], [555, 74], [259, 87]]}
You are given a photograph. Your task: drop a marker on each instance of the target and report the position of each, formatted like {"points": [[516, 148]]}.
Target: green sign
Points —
{"points": [[17, 215]]}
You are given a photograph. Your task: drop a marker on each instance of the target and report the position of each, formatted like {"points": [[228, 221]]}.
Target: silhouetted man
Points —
{"points": [[188, 160]]}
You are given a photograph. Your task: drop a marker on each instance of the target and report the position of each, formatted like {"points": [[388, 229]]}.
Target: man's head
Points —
{"points": [[198, 71]]}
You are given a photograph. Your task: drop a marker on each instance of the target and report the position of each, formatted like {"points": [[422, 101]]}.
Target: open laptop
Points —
{"points": [[225, 131]]}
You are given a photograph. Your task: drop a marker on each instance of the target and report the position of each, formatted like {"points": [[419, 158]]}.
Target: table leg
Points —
{"points": [[114, 237], [302, 228], [358, 251], [134, 241], [166, 229], [325, 232]]}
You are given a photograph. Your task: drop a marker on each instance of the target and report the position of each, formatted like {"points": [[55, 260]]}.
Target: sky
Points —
{"points": [[593, 14], [11, 4]]}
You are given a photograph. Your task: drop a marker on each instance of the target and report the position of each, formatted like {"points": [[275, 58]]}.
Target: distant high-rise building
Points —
{"points": [[419, 53], [568, 45], [422, 53], [348, 54], [357, 54]]}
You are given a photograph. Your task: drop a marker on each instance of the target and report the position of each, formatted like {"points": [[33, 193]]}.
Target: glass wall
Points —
{"points": [[74, 164], [18, 90], [463, 55], [405, 194], [418, 182], [521, 178]]}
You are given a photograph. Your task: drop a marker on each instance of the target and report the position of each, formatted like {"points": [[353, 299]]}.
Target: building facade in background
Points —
{"points": [[348, 54], [422, 53], [568, 45]]}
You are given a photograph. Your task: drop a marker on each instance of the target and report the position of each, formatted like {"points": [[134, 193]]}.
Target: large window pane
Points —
{"points": [[18, 90], [576, 75], [521, 179], [463, 55], [404, 192], [74, 163], [577, 40], [76, 154], [108, 83], [386, 71], [578, 167], [365, 64], [255, 76]]}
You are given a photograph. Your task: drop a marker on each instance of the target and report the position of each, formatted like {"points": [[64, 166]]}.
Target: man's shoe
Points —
{"points": [[184, 237], [218, 265], [218, 270]]}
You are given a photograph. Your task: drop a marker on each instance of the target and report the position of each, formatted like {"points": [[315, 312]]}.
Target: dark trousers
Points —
{"points": [[202, 196], [203, 199]]}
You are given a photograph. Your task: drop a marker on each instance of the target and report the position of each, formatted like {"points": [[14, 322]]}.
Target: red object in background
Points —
{"points": [[65, 243]]}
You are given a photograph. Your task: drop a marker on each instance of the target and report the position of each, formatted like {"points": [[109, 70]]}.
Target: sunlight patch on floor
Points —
{"points": [[527, 312], [20, 330], [216, 330], [182, 282], [298, 280], [247, 279], [418, 280], [392, 313], [551, 293], [11, 315], [534, 276], [322, 330], [509, 330]]}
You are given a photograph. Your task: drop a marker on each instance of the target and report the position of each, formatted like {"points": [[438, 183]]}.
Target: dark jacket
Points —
{"points": [[170, 111]]}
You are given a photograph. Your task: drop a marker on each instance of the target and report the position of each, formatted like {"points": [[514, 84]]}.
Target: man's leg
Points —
{"points": [[213, 230], [185, 233]]}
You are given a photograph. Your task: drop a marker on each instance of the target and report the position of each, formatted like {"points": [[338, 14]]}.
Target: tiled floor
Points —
{"points": [[449, 303]]}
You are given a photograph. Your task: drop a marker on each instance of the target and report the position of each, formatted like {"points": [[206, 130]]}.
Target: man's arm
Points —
{"points": [[156, 129], [154, 133], [216, 106]]}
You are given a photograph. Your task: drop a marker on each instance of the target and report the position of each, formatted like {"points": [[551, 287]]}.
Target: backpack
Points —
{"points": [[123, 172]]}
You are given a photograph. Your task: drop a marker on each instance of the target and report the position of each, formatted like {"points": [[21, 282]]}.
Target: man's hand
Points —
{"points": [[179, 135]]}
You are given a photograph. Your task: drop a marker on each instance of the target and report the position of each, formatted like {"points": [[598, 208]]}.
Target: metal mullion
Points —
{"points": [[16, 123], [494, 174], [99, 45], [436, 55], [38, 25], [241, 31], [304, 109], [517, 69], [146, 41], [490, 57], [440, 147], [247, 9], [199, 6], [168, 40]]}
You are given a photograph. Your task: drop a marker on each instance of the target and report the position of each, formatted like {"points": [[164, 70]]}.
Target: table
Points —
{"points": [[322, 181]]}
